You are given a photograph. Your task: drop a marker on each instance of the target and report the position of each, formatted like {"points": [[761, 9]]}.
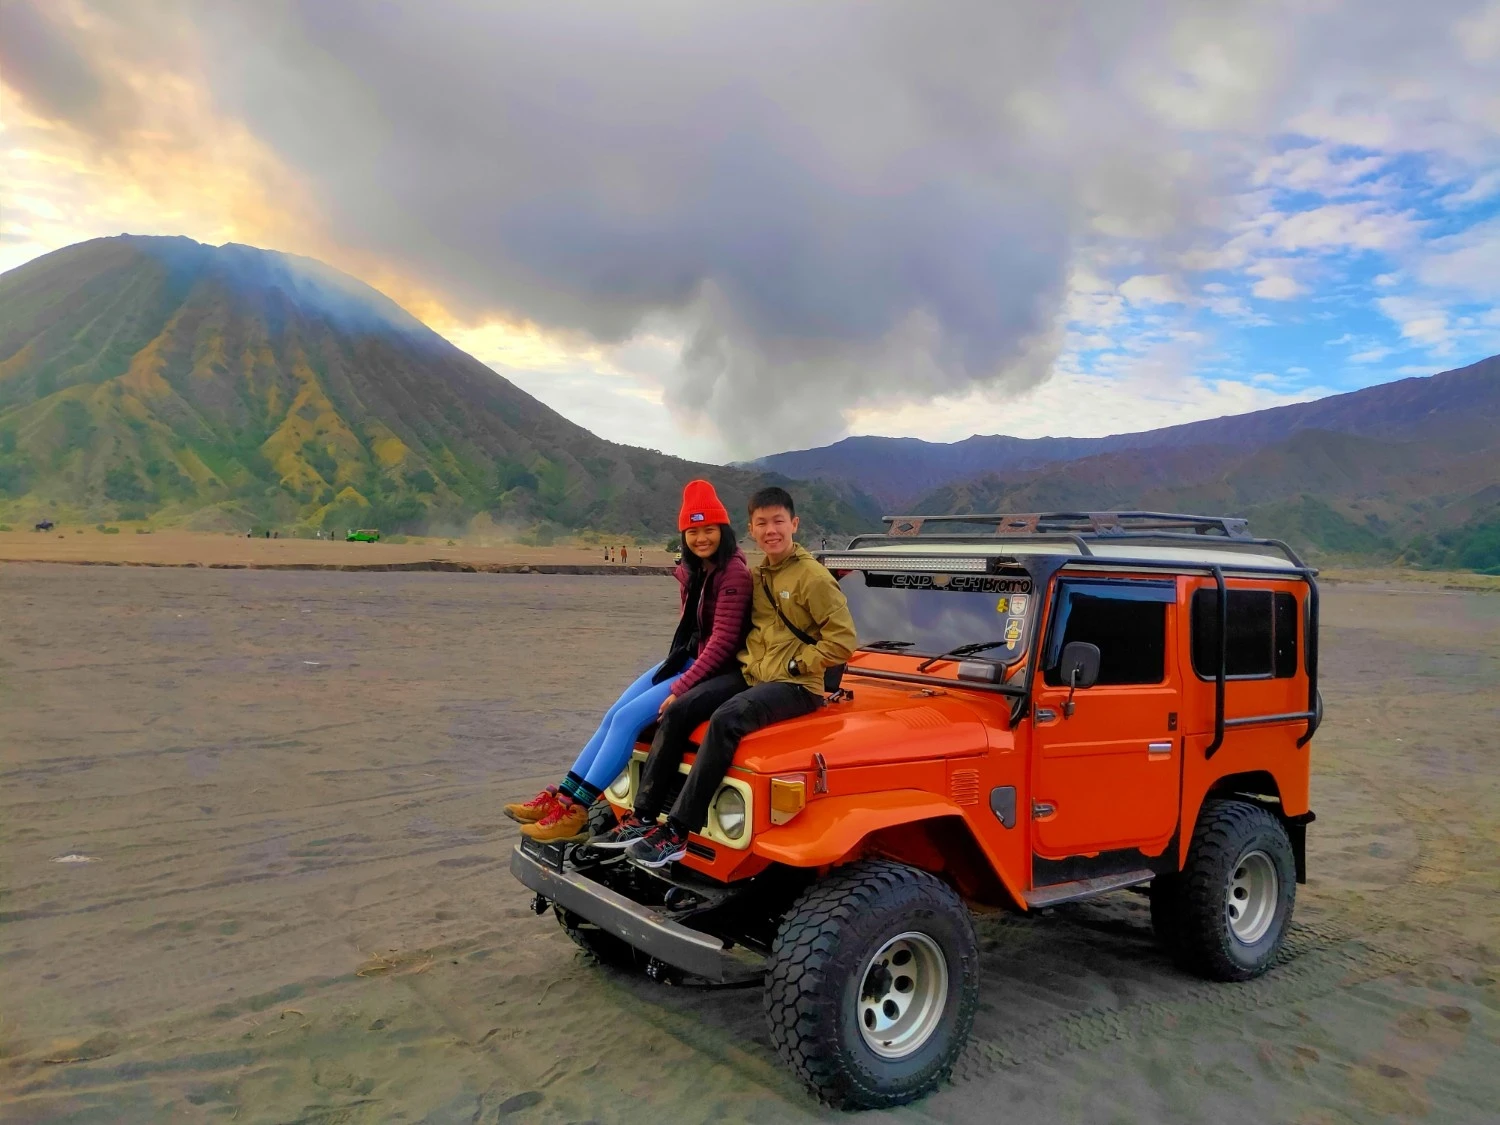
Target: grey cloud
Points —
{"points": [[835, 204], [40, 63]]}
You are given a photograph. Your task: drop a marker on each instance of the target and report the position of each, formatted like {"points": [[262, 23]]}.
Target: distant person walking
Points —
{"points": [[606, 554], [624, 554], [714, 583]]}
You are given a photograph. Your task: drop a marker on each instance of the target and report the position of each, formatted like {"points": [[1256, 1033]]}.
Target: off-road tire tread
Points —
{"points": [[1201, 945], [602, 947], [798, 981]]}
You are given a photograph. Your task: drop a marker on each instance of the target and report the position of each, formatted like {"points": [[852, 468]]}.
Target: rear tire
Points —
{"points": [[1234, 899], [872, 985]]}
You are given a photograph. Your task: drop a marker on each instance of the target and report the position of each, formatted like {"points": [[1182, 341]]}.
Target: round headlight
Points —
{"points": [[729, 811], [619, 788]]}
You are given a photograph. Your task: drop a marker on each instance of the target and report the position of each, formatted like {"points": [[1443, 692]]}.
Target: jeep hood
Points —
{"points": [[884, 722]]}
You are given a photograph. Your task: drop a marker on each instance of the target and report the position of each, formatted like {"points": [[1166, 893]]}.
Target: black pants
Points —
{"points": [[733, 711]]}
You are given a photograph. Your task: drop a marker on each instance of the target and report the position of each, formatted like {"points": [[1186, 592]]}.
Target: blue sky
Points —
{"points": [[725, 230]]}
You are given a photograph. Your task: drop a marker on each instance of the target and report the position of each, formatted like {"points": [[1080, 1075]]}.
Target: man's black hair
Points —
{"points": [[772, 497], [720, 558]]}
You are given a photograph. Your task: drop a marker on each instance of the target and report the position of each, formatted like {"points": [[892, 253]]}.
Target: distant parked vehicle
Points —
{"points": [[45, 525], [365, 535]]}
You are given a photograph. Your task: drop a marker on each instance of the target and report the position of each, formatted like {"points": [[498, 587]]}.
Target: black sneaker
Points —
{"points": [[657, 848], [622, 835]]}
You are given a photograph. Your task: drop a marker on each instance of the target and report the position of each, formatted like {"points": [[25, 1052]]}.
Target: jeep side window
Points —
{"points": [[1262, 634], [1127, 620]]}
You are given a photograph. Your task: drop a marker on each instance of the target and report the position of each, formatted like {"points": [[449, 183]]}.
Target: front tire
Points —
{"points": [[599, 944], [1233, 901], [872, 985]]}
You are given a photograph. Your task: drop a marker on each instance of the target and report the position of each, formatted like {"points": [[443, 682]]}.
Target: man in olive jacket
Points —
{"points": [[780, 677]]}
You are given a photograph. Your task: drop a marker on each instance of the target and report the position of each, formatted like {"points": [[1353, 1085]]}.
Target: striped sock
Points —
{"points": [[579, 790]]}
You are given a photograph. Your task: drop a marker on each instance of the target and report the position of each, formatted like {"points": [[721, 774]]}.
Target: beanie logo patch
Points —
{"points": [[696, 517]]}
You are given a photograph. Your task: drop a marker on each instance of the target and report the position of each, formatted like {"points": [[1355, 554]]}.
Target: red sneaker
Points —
{"points": [[529, 812], [568, 820]]}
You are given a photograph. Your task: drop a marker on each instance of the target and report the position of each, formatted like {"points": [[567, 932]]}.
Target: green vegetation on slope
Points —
{"points": [[1473, 545]]}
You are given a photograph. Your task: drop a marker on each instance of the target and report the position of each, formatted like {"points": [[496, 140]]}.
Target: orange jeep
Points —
{"points": [[1056, 707]]}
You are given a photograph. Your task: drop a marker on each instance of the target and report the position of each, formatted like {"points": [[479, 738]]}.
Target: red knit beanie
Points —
{"points": [[700, 506]]}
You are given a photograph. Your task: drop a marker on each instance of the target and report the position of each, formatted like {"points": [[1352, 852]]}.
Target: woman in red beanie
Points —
{"points": [[715, 587]]}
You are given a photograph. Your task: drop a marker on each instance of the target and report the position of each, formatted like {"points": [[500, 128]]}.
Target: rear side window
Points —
{"points": [[1262, 634], [1128, 621]]}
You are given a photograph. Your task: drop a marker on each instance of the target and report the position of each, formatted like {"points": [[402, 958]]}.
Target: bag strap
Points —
{"points": [[796, 632]]}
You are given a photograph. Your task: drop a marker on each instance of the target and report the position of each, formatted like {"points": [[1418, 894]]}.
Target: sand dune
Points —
{"points": [[289, 899]]}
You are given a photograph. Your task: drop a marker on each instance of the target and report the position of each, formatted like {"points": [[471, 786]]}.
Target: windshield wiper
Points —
{"points": [[889, 644], [961, 650]]}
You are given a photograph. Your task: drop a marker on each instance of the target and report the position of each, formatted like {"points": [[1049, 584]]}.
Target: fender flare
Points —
{"points": [[829, 829]]}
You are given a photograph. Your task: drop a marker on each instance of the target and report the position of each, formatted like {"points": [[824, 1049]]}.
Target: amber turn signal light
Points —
{"points": [[788, 797]]}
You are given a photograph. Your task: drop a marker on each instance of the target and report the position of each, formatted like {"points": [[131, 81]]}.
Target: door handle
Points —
{"points": [[1158, 750]]}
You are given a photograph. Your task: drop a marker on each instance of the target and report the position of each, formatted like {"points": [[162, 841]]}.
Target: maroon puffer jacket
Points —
{"points": [[723, 619]]}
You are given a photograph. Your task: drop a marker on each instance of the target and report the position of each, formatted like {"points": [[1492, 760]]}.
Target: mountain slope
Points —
{"points": [[222, 386], [1459, 408], [1323, 491]]}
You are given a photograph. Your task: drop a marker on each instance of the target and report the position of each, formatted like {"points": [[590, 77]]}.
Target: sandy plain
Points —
{"points": [[126, 547], [295, 905]]}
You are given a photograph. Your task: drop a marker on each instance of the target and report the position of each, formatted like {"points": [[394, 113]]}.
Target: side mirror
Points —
{"points": [[1079, 668]]}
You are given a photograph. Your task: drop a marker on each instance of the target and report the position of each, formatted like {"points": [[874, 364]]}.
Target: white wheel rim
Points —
{"points": [[903, 991], [1250, 899]]}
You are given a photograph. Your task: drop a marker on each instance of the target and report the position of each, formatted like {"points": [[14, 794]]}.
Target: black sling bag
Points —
{"points": [[833, 675]]}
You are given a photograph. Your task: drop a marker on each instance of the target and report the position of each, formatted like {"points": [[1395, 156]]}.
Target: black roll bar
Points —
{"points": [[1312, 661], [1222, 672]]}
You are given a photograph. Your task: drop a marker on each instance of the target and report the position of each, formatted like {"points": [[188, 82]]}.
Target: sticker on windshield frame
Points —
{"points": [[953, 583]]}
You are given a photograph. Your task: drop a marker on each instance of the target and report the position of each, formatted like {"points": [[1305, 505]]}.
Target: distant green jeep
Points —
{"points": [[366, 535]]}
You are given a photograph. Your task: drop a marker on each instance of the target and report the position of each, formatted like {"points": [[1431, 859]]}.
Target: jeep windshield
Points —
{"points": [[927, 615]]}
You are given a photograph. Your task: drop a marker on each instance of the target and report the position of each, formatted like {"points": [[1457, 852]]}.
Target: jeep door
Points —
{"points": [[1108, 777]]}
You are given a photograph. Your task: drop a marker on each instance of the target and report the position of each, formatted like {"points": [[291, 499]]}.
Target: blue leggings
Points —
{"points": [[607, 753]]}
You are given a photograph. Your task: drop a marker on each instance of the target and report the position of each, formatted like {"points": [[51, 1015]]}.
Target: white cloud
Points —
{"points": [[1149, 289], [1370, 355], [1483, 187], [1343, 226], [1367, 130], [1149, 391], [1277, 288], [1234, 308], [1315, 168], [1468, 262], [1420, 321]]}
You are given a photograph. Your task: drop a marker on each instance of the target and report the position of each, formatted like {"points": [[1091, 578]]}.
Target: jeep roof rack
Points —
{"points": [[1160, 529], [1082, 523]]}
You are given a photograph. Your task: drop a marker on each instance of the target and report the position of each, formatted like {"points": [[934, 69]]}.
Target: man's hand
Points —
{"points": [[665, 703]]}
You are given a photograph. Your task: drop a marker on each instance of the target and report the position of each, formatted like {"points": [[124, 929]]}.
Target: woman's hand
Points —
{"points": [[665, 703]]}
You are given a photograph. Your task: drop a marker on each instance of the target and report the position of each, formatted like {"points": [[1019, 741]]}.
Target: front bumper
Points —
{"points": [[681, 946]]}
